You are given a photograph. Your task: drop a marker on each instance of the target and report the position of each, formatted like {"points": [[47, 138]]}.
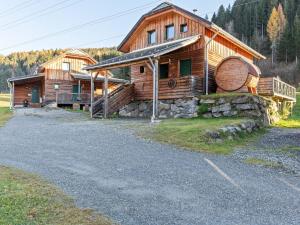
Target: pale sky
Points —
{"points": [[27, 20]]}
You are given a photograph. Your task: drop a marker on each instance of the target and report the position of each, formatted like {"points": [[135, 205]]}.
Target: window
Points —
{"points": [[66, 66], [170, 32], [183, 28], [185, 67], [163, 71], [151, 37], [142, 69]]}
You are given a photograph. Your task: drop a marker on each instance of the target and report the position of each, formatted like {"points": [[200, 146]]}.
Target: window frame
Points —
{"points": [[69, 66], [149, 37], [180, 66], [182, 26], [166, 32], [142, 69]]}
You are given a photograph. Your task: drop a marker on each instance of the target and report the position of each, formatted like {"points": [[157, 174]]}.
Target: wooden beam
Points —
{"points": [[92, 94], [106, 96]]}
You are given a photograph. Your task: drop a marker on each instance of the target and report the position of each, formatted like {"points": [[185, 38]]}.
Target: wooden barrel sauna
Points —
{"points": [[234, 74]]}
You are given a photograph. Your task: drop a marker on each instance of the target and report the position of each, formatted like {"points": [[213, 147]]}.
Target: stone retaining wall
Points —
{"points": [[177, 108], [231, 132], [243, 105]]}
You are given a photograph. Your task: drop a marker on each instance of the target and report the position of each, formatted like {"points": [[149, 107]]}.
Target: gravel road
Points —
{"points": [[138, 182]]}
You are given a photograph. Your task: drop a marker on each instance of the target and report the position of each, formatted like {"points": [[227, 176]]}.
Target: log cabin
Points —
{"points": [[61, 80], [173, 55]]}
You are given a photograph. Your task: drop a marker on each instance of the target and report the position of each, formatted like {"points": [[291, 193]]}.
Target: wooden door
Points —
{"points": [[35, 94]]}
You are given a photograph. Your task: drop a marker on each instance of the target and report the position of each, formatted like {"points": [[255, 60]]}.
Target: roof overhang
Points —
{"points": [[26, 79], [99, 78], [145, 53]]}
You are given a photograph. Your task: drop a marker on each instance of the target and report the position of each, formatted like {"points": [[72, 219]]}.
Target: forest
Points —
{"points": [[270, 26]]}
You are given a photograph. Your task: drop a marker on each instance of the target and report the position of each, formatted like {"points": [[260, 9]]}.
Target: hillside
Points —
{"points": [[23, 63]]}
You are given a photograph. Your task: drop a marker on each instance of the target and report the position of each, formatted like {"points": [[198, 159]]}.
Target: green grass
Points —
{"points": [[262, 162], [5, 113], [26, 199], [294, 120], [190, 134]]}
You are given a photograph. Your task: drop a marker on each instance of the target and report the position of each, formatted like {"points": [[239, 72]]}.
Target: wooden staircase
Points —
{"points": [[118, 98]]}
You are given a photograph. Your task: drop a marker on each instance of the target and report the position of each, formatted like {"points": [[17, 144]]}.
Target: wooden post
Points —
{"points": [[13, 95], [79, 88], [92, 94], [106, 96], [156, 87]]}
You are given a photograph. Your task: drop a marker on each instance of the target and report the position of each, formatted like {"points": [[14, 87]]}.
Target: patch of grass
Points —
{"points": [[294, 120], [262, 162], [5, 113], [191, 134], [28, 200], [229, 94]]}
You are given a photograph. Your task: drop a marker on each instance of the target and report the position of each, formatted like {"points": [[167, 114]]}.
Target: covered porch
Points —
{"points": [[171, 70], [80, 92]]}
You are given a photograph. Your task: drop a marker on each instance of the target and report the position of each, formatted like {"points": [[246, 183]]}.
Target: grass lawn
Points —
{"points": [[294, 120], [190, 134], [5, 113], [28, 200], [262, 162]]}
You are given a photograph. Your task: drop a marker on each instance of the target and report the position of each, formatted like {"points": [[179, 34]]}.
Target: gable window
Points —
{"points": [[151, 37], [142, 69], [185, 67], [170, 32], [183, 28], [163, 71], [66, 66]]}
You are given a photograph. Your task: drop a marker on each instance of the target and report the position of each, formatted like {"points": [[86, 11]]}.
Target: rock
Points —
{"points": [[230, 113], [245, 106], [207, 101], [240, 100], [216, 115], [207, 115], [221, 101], [213, 134], [164, 106], [221, 108]]}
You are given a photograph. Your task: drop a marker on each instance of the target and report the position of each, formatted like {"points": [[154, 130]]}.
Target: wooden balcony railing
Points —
{"points": [[274, 87], [70, 98]]}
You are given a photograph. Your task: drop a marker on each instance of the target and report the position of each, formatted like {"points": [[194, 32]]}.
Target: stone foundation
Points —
{"points": [[244, 105], [176, 108]]}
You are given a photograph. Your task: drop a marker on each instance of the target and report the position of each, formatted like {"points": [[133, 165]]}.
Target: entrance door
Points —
{"points": [[35, 94], [75, 93]]}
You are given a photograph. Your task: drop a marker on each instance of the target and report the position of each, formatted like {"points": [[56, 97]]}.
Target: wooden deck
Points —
{"points": [[71, 98], [274, 87]]}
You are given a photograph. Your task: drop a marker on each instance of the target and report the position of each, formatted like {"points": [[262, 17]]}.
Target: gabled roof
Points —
{"points": [[70, 53], [167, 6], [145, 53]]}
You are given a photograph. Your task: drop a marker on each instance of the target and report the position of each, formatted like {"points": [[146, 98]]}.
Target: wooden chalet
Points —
{"points": [[172, 54], [61, 80]]}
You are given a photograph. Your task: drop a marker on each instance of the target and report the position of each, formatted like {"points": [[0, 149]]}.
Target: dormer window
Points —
{"points": [[151, 37], [183, 28], [170, 32], [66, 66]]}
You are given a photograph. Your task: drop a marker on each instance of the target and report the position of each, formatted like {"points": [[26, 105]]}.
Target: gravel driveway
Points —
{"points": [[137, 182]]}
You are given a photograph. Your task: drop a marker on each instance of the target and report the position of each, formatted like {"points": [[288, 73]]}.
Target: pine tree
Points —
{"points": [[297, 35], [273, 29]]}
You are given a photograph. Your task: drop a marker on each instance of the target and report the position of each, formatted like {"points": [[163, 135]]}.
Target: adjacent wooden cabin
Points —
{"points": [[173, 54], [61, 80]]}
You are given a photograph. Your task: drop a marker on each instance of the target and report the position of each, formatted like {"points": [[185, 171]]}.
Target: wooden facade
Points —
{"points": [[54, 83], [218, 49]]}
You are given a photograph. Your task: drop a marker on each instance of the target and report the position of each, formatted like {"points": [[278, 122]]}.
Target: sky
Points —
{"points": [[43, 24]]}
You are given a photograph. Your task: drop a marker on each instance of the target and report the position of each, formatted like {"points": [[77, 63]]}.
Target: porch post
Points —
{"points": [[79, 88], [13, 95], [155, 89], [106, 96], [92, 94]]}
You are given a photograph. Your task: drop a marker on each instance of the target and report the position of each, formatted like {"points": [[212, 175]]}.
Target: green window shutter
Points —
{"points": [[185, 67], [163, 71]]}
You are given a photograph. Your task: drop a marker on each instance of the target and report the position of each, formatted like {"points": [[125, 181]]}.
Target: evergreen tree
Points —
{"points": [[297, 36]]}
